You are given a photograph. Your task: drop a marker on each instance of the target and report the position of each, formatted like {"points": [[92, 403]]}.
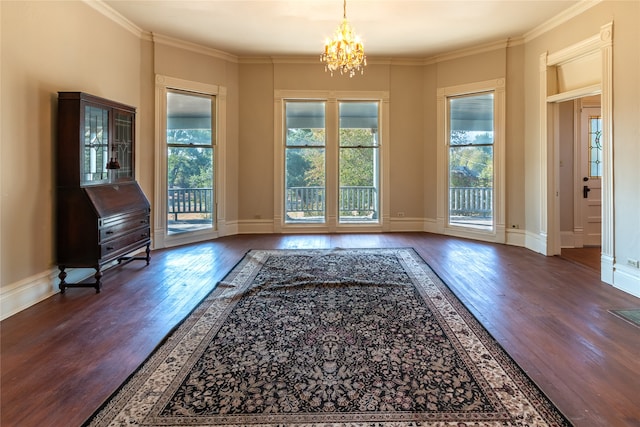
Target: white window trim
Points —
{"points": [[497, 234], [332, 224], [161, 238]]}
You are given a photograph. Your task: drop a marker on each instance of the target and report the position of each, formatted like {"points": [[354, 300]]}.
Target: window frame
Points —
{"points": [[375, 146], [162, 238], [320, 146], [497, 233], [332, 99], [212, 145]]}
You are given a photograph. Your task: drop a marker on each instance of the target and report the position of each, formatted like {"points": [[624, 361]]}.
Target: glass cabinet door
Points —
{"points": [[95, 146], [122, 148]]}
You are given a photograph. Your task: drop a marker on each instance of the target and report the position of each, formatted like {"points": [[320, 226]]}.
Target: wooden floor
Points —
{"points": [[64, 356], [587, 256]]}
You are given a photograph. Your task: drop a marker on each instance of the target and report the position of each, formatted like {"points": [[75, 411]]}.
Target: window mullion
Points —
{"points": [[332, 144]]}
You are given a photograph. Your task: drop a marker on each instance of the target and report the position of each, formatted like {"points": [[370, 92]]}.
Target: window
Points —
{"points": [[188, 206], [358, 164], [471, 160], [190, 153], [305, 143], [328, 168]]}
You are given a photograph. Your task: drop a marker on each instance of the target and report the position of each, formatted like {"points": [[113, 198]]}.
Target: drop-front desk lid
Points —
{"points": [[112, 199]]}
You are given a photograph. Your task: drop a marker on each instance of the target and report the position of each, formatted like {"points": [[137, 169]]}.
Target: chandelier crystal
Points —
{"points": [[345, 52]]}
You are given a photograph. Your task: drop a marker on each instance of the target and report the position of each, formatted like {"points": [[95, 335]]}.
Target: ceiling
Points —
{"points": [[389, 28]]}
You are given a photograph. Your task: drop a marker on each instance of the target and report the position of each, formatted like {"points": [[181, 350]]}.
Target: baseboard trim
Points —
{"points": [[536, 242], [406, 224], [627, 279], [255, 226], [27, 292], [516, 237], [30, 291], [567, 239]]}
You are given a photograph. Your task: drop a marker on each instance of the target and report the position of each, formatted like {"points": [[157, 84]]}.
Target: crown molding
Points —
{"points": [[106, 10], [474, 50], [561, 18], [193, 47], [255, 60]]}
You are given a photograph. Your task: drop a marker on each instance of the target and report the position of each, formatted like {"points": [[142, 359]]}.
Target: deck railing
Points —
{"points": [[189, 200], [471, 201], [358, 199], [354, 200], [464, 201]]}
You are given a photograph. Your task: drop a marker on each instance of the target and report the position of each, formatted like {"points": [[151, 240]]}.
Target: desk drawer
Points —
{"points": [[114, 227], [125, 243]]}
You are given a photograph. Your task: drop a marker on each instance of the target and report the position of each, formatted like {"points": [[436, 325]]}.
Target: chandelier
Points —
{"points": [[345, 52]]}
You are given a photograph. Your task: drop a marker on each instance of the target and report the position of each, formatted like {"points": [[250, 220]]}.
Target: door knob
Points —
{"points": [[585, 179], [585, 191]]}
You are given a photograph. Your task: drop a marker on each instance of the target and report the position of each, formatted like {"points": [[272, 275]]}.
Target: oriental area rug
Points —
{"points": [[347, 337]]}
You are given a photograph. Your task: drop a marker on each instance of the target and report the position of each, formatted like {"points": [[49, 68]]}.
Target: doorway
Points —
{"points": [[580, 70], [579, 130]]}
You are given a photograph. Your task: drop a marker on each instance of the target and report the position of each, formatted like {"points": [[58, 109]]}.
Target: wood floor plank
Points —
{"points": [[62, 358]]}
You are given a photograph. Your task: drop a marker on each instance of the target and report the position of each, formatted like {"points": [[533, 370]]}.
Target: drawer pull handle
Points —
{"points": [[143, 221], [109, 232], [109, 248]]}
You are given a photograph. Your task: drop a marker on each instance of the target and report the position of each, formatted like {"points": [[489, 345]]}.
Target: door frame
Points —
{"points": [[600, 45]]}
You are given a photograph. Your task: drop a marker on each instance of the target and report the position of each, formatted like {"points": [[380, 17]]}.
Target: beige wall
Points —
{"points": [[58, 46], [198, 66], [255, 178], [407, 142], [567, 177], [626, 128], [514, 141], [412, 139], [429, 129], [49, 47]]}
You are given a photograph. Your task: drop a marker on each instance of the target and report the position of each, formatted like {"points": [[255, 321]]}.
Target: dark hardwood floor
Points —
{"points": [[61, 358], [587, 256]]}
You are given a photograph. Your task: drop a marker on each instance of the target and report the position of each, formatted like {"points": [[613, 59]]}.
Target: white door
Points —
{"points": [[591, 173]]}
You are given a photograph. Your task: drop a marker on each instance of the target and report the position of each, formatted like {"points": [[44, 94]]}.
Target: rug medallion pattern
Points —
{"points": [[327, 337]]}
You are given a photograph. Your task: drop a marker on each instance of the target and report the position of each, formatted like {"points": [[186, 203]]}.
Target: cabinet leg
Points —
{"points": [[148, 252], [97, 276], [62, 275]]}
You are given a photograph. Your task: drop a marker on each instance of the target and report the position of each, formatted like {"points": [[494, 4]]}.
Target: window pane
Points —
{"points": [[190, 202], [190, 161], [471, 119], [305, 123], [358, 162], [358, 198], [96, 137], [595, 146], [358, 116], [189, 119], [305, 185], [122, 142], [471, 161]]}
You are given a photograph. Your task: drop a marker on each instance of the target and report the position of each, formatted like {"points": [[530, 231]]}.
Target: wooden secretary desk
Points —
{"points": [[102, 213]]}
